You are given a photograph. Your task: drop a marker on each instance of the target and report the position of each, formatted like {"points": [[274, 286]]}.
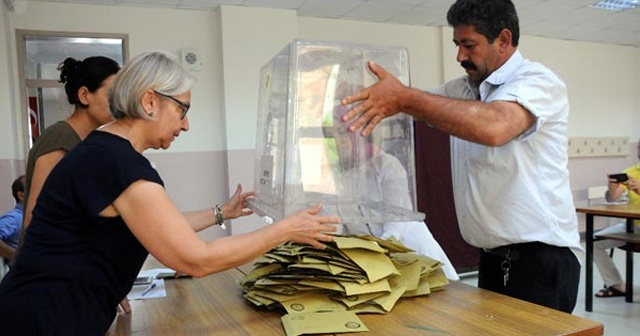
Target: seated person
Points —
{"points": [[11, 222], [614, 285], [381, 178]]}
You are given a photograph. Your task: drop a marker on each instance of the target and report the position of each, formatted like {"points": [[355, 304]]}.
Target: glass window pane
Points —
{"points": [[45, 53], [46, 107]]}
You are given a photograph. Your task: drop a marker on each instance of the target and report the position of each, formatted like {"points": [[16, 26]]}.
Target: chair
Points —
{"points": [[596, 194], [632, 240]]}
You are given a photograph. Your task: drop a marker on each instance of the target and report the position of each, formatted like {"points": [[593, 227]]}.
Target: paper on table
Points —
{"points": [[615, 202], [157, 292]]}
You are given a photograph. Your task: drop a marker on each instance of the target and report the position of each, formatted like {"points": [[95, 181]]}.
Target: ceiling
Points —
{"points": [[562, 19]]}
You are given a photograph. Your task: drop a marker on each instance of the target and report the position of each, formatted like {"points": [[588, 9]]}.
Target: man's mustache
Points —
{"points": [[468, 65]]}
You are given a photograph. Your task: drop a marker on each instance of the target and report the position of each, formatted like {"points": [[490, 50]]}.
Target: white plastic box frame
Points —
{"points": [[304, 154]]}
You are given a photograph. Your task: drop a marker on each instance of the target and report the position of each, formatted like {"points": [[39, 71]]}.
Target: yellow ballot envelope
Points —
{"points": [[322, 323], [323, 290]]}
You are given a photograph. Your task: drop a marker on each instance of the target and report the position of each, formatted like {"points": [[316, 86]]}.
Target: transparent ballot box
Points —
{"points": [[304, 154]]}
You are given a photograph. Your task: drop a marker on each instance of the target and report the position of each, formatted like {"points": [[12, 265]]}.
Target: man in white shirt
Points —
{"points": [[508, 117]]}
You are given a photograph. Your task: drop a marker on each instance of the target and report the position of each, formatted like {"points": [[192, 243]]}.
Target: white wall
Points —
{"points": [[422, 42], [245, 49], [603, 82], [148, 29], [8, 152], [8, 133]]}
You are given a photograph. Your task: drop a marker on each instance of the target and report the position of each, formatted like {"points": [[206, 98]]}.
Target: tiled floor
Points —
{"points": [[620, 318]]}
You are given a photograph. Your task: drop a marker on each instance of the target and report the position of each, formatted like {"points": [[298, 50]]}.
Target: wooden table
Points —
{"points": [[214, 306], [625, 211], [209, 306]]}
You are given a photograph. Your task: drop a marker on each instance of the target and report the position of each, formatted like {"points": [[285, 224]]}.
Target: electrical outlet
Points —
{"points": [[598, 146]]}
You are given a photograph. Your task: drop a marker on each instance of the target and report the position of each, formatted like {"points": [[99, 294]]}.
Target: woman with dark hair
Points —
{"points": [[87, 85]]}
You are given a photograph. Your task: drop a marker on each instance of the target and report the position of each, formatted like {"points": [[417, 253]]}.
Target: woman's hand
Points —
{"points": [[124, 306], [307, 227], [236, 206]]}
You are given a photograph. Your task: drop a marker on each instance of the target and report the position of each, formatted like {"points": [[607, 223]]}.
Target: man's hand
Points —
{"points": [[377, 102]]}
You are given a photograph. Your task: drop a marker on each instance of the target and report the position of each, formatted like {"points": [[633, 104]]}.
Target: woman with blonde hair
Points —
{"points": [[103, 209]]}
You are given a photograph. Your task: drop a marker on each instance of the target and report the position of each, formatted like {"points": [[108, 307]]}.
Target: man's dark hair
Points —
{"points": [[489, 17], [16, 186]]}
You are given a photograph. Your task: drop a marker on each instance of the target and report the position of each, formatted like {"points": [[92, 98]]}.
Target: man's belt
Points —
{"points": [[508, 252]]}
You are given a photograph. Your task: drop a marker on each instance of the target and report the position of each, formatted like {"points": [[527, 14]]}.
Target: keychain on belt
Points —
{"points": [[506, 265]]}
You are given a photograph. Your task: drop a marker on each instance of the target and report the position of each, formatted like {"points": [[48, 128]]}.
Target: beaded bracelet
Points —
{"points": [[217, 212]]}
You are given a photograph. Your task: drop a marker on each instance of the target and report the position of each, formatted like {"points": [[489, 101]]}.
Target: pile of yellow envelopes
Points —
{"points": [[323, 290]]}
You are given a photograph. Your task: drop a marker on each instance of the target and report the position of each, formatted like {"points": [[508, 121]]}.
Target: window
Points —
{"points": [[43, 99]]}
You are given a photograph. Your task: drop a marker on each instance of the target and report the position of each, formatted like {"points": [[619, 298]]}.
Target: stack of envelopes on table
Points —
{"points": [[360, 274]]}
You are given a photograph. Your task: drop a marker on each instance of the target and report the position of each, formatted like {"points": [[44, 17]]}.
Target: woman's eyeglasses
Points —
{"points": [[184, 106]]}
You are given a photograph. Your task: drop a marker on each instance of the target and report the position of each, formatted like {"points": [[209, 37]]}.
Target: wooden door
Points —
{"points": [[435, 195]]}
